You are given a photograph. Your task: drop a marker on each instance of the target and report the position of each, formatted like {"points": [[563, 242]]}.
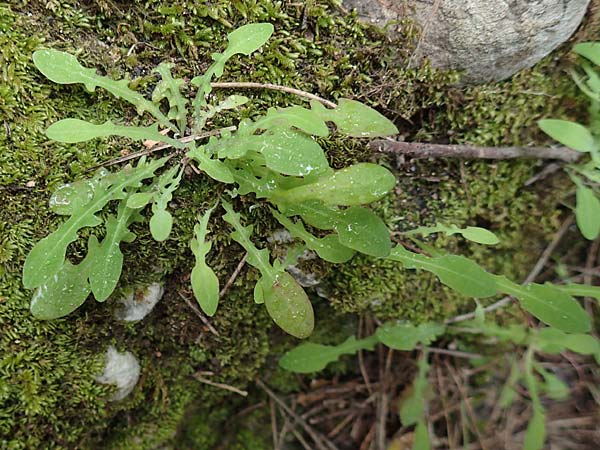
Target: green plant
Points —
{"points": [[309, 357], [273, 157], [585, 139]]}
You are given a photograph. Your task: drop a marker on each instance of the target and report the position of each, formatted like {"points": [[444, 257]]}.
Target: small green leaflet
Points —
{"points": [[360, 229], [535, 434], [589, 50], [310, 357], [475, 234], [205, 283], [214, 168], [161, 221], [406, 337], [170, 89], [549, 304], [161, 224], [355, 185], [587, 212], [421, 441], [64, 68], [296, 116], [248, 38], [571, 134], [315, 213], [552, 340], [328, 248], [48, 255], [553, 385], [580, 290], [75, 130]]}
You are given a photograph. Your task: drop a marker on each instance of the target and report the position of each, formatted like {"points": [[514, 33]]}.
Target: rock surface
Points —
{"points": [[489, 40]]}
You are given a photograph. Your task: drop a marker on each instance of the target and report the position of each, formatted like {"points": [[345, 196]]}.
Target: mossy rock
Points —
{"points": [[48, 395]]}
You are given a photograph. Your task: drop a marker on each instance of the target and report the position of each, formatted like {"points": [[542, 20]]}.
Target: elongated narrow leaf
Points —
{"points": [[289, 306], [64, 68], [535, 434], [355, 185], [310, 357], [580, 290], [405, 336], [474, 234], [412, 406], [587, 212], [549, 304], [205, 283], [571, 134], [75, 130], [105, 258], [457, 272], [589, 50], [48, 255], [302, 118], [421, 441], [62, 293], [360, 229]]}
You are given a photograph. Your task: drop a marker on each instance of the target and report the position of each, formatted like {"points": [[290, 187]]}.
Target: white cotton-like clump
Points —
{"points": [[138, 304], [122, 370], [280, 237], [305, 279]]}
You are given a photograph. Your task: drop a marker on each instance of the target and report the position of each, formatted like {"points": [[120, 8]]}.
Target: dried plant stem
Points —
{"points": [[226, 387], [274, 87], [424, 150]]}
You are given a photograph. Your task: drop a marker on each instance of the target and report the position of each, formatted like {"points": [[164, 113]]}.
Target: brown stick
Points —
{"points": [[274, 87], [423, 150]]}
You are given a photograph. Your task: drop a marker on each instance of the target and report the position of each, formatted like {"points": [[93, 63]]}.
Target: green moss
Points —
{"points": [[47, 390]]}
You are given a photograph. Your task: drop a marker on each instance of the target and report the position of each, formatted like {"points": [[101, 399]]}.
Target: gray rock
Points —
{"points": [[489, 40]]}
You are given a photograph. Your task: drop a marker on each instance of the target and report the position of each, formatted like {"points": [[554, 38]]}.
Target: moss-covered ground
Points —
{"points": [[48, 396]]}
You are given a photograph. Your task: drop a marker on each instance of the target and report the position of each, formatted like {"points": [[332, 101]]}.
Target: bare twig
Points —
{"points": [[320, 441], [274, 423], [226, 387], [424, 150], [233, 276], [532, 275], [199, 314], [274, 87]]}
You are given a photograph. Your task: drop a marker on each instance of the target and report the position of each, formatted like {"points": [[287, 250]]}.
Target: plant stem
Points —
{"points": [[274, 87]]}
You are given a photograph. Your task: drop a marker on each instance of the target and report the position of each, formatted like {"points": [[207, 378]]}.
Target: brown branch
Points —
{"points": [[424, 150], [273, 87]]}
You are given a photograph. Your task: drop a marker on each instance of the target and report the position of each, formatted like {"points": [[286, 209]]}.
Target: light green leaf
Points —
{"points": [[297, 116], [552, 340], [214, 168], [139, 199], [205, 283], [71, 197], [589, 50], [554, 387], [571, 134], [587, 212], [412, 407], [231, 102], [355, 185], [315, 213], [288, 305], [105, 258], [64, 68], [48, 255], [170, 88], [75, 130], [328, 248], [310, 357], [421, 441], [475, 234], [355, 119], [549, 304], [535, 434], [62, 293], [406, 337], [580, 290], [161, 223], [360, 229], [248, 38], [293, 153], [457, 272]]}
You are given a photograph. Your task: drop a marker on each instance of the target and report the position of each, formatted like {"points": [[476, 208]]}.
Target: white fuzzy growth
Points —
{"points": [[122, 370], [138, 305]]}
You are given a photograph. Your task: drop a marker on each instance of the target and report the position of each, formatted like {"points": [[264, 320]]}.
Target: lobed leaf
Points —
{"points": [[205, 283], [170, 88], [64, 68], [356, 119], [474, 234], [310, 357], [406, 337]]}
